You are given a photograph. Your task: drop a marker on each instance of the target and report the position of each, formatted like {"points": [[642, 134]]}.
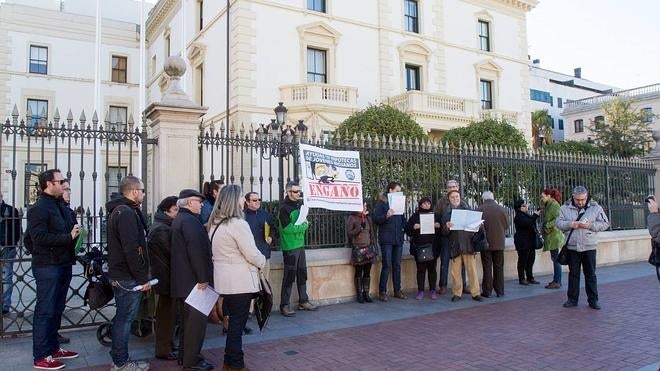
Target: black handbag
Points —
{"points": [[362, 255], [98, 293], [479, 242], [539, 241], [562, 258], [424, 253]]}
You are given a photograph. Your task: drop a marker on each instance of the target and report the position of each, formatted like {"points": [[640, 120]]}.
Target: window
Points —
{"points": [[560, 124], [316, 5], [31, 192], [486, 88], [560, 103], [39, 109], [118, 69], [484, 35], [412, 77], [316, 71], [648, 115], [411, 15], [200, 11], [115, 174], [579, 126], [38, 59], [552, 121], [117, 116], [599, 121], [540, 96]]}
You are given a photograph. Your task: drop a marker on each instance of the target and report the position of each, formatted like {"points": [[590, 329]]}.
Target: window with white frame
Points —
{"points": [[316, 65], [484, 35], [115, 175], [486, 91], [578, 125], [117, 116], [38, 59], [413, 81], [412, 15], [39, 110], [648, 115], [316, 5], [119, 68]]}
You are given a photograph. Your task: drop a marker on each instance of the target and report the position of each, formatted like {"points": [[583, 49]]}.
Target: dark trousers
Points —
{"points": [[128, 304], [526, 260], [493, 267], [52, 285], [192, 334], [587, 260], [391, 255], [363, 271], [239, 307], [165, 323], [422, 268], [556, 267], [295, 270]]}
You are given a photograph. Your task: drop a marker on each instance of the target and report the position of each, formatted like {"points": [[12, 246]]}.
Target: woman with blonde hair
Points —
{"points": [[236, 265]]}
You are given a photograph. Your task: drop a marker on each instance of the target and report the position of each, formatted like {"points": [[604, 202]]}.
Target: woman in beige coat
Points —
{"points": [[236, 265]]}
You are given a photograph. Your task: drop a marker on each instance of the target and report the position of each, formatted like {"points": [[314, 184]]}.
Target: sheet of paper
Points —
{"points": [[462, 219], [397, 202], [202, 300], [426, 222], [302, 217], [474, 227]]}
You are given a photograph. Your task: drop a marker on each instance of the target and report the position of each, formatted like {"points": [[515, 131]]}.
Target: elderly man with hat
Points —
{"points": [[191, 268]]}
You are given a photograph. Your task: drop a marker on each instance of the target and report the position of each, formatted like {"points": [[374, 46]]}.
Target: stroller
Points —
{"points": [[99, 293]]}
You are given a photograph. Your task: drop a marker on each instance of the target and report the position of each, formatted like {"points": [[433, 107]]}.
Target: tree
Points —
{"points": [[573, 146], [624, 132], [382, 120], [487, 132], [541, 124]]}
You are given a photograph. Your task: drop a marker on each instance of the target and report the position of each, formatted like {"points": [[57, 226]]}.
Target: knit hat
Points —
{"points": [[518, 204]]}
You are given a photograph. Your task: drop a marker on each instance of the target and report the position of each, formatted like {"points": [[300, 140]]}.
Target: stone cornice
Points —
{"points": [[525, 5], [158, 15]]}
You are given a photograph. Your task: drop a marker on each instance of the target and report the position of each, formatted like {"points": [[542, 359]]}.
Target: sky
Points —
{"points": [[615, 42]]}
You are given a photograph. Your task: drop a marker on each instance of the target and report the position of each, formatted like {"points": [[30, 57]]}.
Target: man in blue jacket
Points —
{"points": [[390, 237], [257, 217]]}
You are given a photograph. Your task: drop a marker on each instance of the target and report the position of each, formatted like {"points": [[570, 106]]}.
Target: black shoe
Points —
{"points": [[499, 295], [62, 340], [455, 298], [171, 356], [201, 366], [570, 304], [523, 282], [247, 331], [477, 298], [483, 294], [595, 306]]}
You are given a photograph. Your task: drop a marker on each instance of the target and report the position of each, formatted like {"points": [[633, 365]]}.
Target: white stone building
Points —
{"points": [[551, 90], [447, 62]]}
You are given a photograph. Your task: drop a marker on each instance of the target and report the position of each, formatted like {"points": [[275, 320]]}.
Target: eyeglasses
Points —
{"points": [[256, 200], [292, 191], [60, 182], [139, 190]]}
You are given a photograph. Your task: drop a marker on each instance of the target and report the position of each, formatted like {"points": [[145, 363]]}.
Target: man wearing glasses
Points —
{"points": [[262, 226], [292, 241], [128, 266], [51, 239]]}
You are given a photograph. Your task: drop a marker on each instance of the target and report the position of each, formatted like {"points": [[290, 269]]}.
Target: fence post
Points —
{"points": [[608, 196], [175, 128], [654, 157]]}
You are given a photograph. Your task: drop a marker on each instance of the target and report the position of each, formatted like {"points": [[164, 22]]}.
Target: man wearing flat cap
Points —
{"points": [[191, 268]]}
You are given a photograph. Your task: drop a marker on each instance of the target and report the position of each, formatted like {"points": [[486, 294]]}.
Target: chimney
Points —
{"points": [[536, 62], [577, 72]]}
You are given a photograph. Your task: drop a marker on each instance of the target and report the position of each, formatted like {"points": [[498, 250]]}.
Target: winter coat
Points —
{"points": [[236, 259], [653, 221], [496, 223], [292, 236], [460, 242], [49, 230], [582, 239], [359, 235], [418, 239], [390, 230], [160, 251], [257, 221], [128, 258], [525, 236], [191, 254], [10, 225], [553, 238]]}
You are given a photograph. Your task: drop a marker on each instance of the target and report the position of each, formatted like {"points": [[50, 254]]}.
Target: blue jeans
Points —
{"points": [[391, 260], [128, 303], [52, 285], [556, 277], [8, 254]]}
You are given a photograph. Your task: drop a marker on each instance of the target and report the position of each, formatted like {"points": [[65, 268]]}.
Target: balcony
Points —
{"points": [[319, 94], [594, 103]]}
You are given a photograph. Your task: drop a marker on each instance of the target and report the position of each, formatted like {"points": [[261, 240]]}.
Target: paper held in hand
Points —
{"points": [[466, 220], [202, 299], [426, 223], [397, 202], [302, 217]]}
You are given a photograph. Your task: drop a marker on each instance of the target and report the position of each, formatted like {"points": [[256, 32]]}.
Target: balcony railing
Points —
{"points": [[319, 93], [595, 102], [422, 102], [508, 116]]}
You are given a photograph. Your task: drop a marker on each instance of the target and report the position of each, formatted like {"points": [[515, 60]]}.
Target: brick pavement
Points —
{"points": [[521, 334]]}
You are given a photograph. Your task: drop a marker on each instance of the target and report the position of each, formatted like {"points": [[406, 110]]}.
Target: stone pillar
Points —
{"points": [[174, 121]]}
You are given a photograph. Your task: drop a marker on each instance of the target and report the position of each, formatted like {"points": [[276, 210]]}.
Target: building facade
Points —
{"points": [[446, 62], [551, 90]]}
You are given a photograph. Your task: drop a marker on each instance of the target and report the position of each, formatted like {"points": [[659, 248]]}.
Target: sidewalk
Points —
{"points": [[526, 329]]}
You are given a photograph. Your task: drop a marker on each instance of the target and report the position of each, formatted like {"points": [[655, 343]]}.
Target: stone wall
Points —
{"points": [[330, 274]]}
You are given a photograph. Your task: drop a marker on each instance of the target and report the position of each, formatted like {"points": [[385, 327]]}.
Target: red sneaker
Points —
{"points": [[48, 363], [64, 354]]}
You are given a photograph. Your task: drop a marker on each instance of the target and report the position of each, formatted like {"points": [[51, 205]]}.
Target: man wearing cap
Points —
{"points": [[580, 219], [191, 268]]}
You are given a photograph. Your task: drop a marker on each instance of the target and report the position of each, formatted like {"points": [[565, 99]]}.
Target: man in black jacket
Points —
{"points": [[128, 266], [10, 233], [191, 268], [51, 235], [160, 253], [258, 218]]}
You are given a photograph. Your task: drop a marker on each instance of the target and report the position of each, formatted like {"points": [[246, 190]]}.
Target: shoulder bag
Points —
{"points": [[562, 258], [424, 253]]}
